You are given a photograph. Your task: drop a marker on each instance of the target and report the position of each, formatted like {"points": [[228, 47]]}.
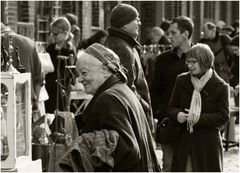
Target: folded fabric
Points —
{"points": [[90, 151]]}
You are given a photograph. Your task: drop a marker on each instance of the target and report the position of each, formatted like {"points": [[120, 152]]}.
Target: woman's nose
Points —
{"points": [[80, 79]]}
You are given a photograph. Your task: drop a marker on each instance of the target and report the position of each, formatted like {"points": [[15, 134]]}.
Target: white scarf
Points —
{"points": [[196, 102]]}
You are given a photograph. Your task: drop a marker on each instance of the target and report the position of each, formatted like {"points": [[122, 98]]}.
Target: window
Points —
{"points": [[95, 13]]}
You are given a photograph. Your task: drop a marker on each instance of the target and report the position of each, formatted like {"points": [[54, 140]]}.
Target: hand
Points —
{"points": [[182, 117]]}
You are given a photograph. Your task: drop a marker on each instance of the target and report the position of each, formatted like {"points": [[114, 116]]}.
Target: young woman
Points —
{"points": [[199, 104], [62, 55]]}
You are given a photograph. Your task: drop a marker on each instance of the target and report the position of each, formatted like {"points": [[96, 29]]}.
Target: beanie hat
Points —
{"points": [[235, 41], [122, 14]]}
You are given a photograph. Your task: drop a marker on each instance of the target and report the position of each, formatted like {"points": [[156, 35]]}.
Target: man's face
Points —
{"points": [[207, 33], [90, 72], [176, 37], [133, 27], [154, 38]]}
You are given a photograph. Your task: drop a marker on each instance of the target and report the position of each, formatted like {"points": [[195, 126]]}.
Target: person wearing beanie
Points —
{"points": [[113, 108], [123, 32], [123, 14]]}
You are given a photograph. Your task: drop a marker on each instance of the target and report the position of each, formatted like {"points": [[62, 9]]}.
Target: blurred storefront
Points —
{"points": [[32, 18]]}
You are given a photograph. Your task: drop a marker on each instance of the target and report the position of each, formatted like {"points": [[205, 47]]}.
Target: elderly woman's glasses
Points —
{"points": [[191, 62]]}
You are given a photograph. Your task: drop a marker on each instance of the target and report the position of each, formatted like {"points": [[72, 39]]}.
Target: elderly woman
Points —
{"points": [[199, 104], [114, 107]]}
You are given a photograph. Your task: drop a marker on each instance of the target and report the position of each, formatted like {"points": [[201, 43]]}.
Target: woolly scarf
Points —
{"points": [[196, 102]]}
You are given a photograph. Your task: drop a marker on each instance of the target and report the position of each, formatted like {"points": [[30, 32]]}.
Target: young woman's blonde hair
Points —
{"points": [[62, 24]]}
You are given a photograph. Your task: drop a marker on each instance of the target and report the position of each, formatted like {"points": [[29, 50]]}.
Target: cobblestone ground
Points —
{"points": [[231, 157]]}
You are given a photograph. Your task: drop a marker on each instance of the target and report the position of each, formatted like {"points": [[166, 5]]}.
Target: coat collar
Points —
{"points": [[106, 85], [210, 86], [123, 35]]}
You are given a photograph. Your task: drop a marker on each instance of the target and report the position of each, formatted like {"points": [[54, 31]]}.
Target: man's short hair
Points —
{"points": [[184, 24]]}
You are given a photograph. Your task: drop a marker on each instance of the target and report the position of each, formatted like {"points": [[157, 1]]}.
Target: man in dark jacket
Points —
{"points": [[114, 107], [125, 23], [168, 65]]}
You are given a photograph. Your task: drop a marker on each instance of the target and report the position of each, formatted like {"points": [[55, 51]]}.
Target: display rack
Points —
{"points": [[16, 148]]}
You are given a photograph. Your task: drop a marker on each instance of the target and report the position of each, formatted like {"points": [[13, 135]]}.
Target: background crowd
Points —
{"points": [[136, 87]]}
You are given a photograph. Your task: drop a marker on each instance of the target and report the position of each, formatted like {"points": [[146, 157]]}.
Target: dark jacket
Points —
{"points": [[115, 107], [168, 66], [204, 144], [125, 47], [66, 78], [223, 54]]}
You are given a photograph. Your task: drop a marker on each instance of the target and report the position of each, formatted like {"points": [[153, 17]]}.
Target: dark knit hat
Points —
{"points": [[235, 41], [123, 14]]}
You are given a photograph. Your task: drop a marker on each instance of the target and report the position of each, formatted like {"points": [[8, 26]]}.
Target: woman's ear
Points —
{"points": [[186, 33], [106, 72]]}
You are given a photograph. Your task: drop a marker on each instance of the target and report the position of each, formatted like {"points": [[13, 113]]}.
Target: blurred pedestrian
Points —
{"points": [[123, 32], [227, 30], [199, 104], [115, 107], [157, 36], [168, 65], [62, 55], [235, 25], [98, 37], [165, 25], [29, 59], [234, 45], [75, 30], [219, 25], [234, 82], [219, 44]]}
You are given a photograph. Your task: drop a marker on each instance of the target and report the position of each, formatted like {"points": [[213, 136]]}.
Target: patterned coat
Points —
{"points": [[204, 144]]}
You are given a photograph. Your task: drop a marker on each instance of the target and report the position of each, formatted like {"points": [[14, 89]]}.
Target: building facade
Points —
{"points": [[32, 18]]}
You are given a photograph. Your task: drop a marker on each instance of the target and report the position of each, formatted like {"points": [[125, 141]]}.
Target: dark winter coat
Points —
{"points": [[66, 76], [168, 65], [125, 47], [115, 107], [204, 144], [222, 53]]}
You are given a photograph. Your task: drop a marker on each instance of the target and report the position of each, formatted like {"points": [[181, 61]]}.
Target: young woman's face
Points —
{"points": [[193, 66], [58, 35]]}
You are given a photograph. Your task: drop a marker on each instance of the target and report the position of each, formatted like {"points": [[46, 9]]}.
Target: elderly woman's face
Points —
{"points": [[90, 73], [193, 66]]}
